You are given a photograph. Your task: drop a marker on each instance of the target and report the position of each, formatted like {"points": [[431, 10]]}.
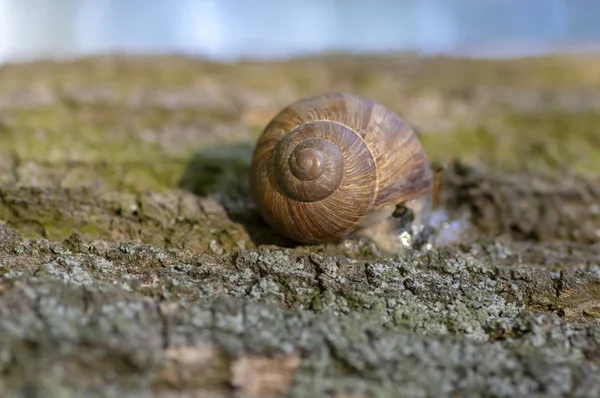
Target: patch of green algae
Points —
{"points": [[109, 149], [544, 142]]}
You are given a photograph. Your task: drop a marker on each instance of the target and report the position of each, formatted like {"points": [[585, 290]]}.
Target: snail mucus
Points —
{"points": [[337, 166]]}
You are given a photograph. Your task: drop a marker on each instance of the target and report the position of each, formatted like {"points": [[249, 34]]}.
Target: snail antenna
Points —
{"points": [[438, 169]]}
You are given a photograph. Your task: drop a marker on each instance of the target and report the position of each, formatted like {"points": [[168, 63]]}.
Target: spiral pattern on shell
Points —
{"points": [[324, 163], [308, 169]]}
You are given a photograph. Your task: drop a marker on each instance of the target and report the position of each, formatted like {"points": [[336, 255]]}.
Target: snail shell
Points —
{"points": [[326, 166]]}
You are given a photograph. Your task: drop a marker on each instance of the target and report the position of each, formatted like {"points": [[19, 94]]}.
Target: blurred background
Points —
{"points": [[231, 29]]}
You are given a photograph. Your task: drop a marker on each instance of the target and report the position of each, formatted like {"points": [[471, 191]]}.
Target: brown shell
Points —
{"points": [[382, 164]]}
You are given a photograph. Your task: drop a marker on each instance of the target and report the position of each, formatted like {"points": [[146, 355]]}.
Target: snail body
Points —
{"points": [[327, 166]]}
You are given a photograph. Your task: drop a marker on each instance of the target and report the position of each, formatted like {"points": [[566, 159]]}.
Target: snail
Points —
{"points": [[330, 166]]}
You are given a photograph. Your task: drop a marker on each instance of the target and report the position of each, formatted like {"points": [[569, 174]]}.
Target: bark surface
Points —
{"points": [[133, 264]]}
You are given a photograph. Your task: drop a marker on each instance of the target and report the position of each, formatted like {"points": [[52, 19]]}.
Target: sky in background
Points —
{"points": [[230, 29]]}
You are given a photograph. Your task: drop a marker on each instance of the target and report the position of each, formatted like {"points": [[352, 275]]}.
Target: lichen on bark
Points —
{"points": [[132, 262]]}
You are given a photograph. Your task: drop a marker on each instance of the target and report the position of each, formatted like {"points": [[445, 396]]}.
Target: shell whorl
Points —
{"points": [[324, 163], [308, 163]]}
